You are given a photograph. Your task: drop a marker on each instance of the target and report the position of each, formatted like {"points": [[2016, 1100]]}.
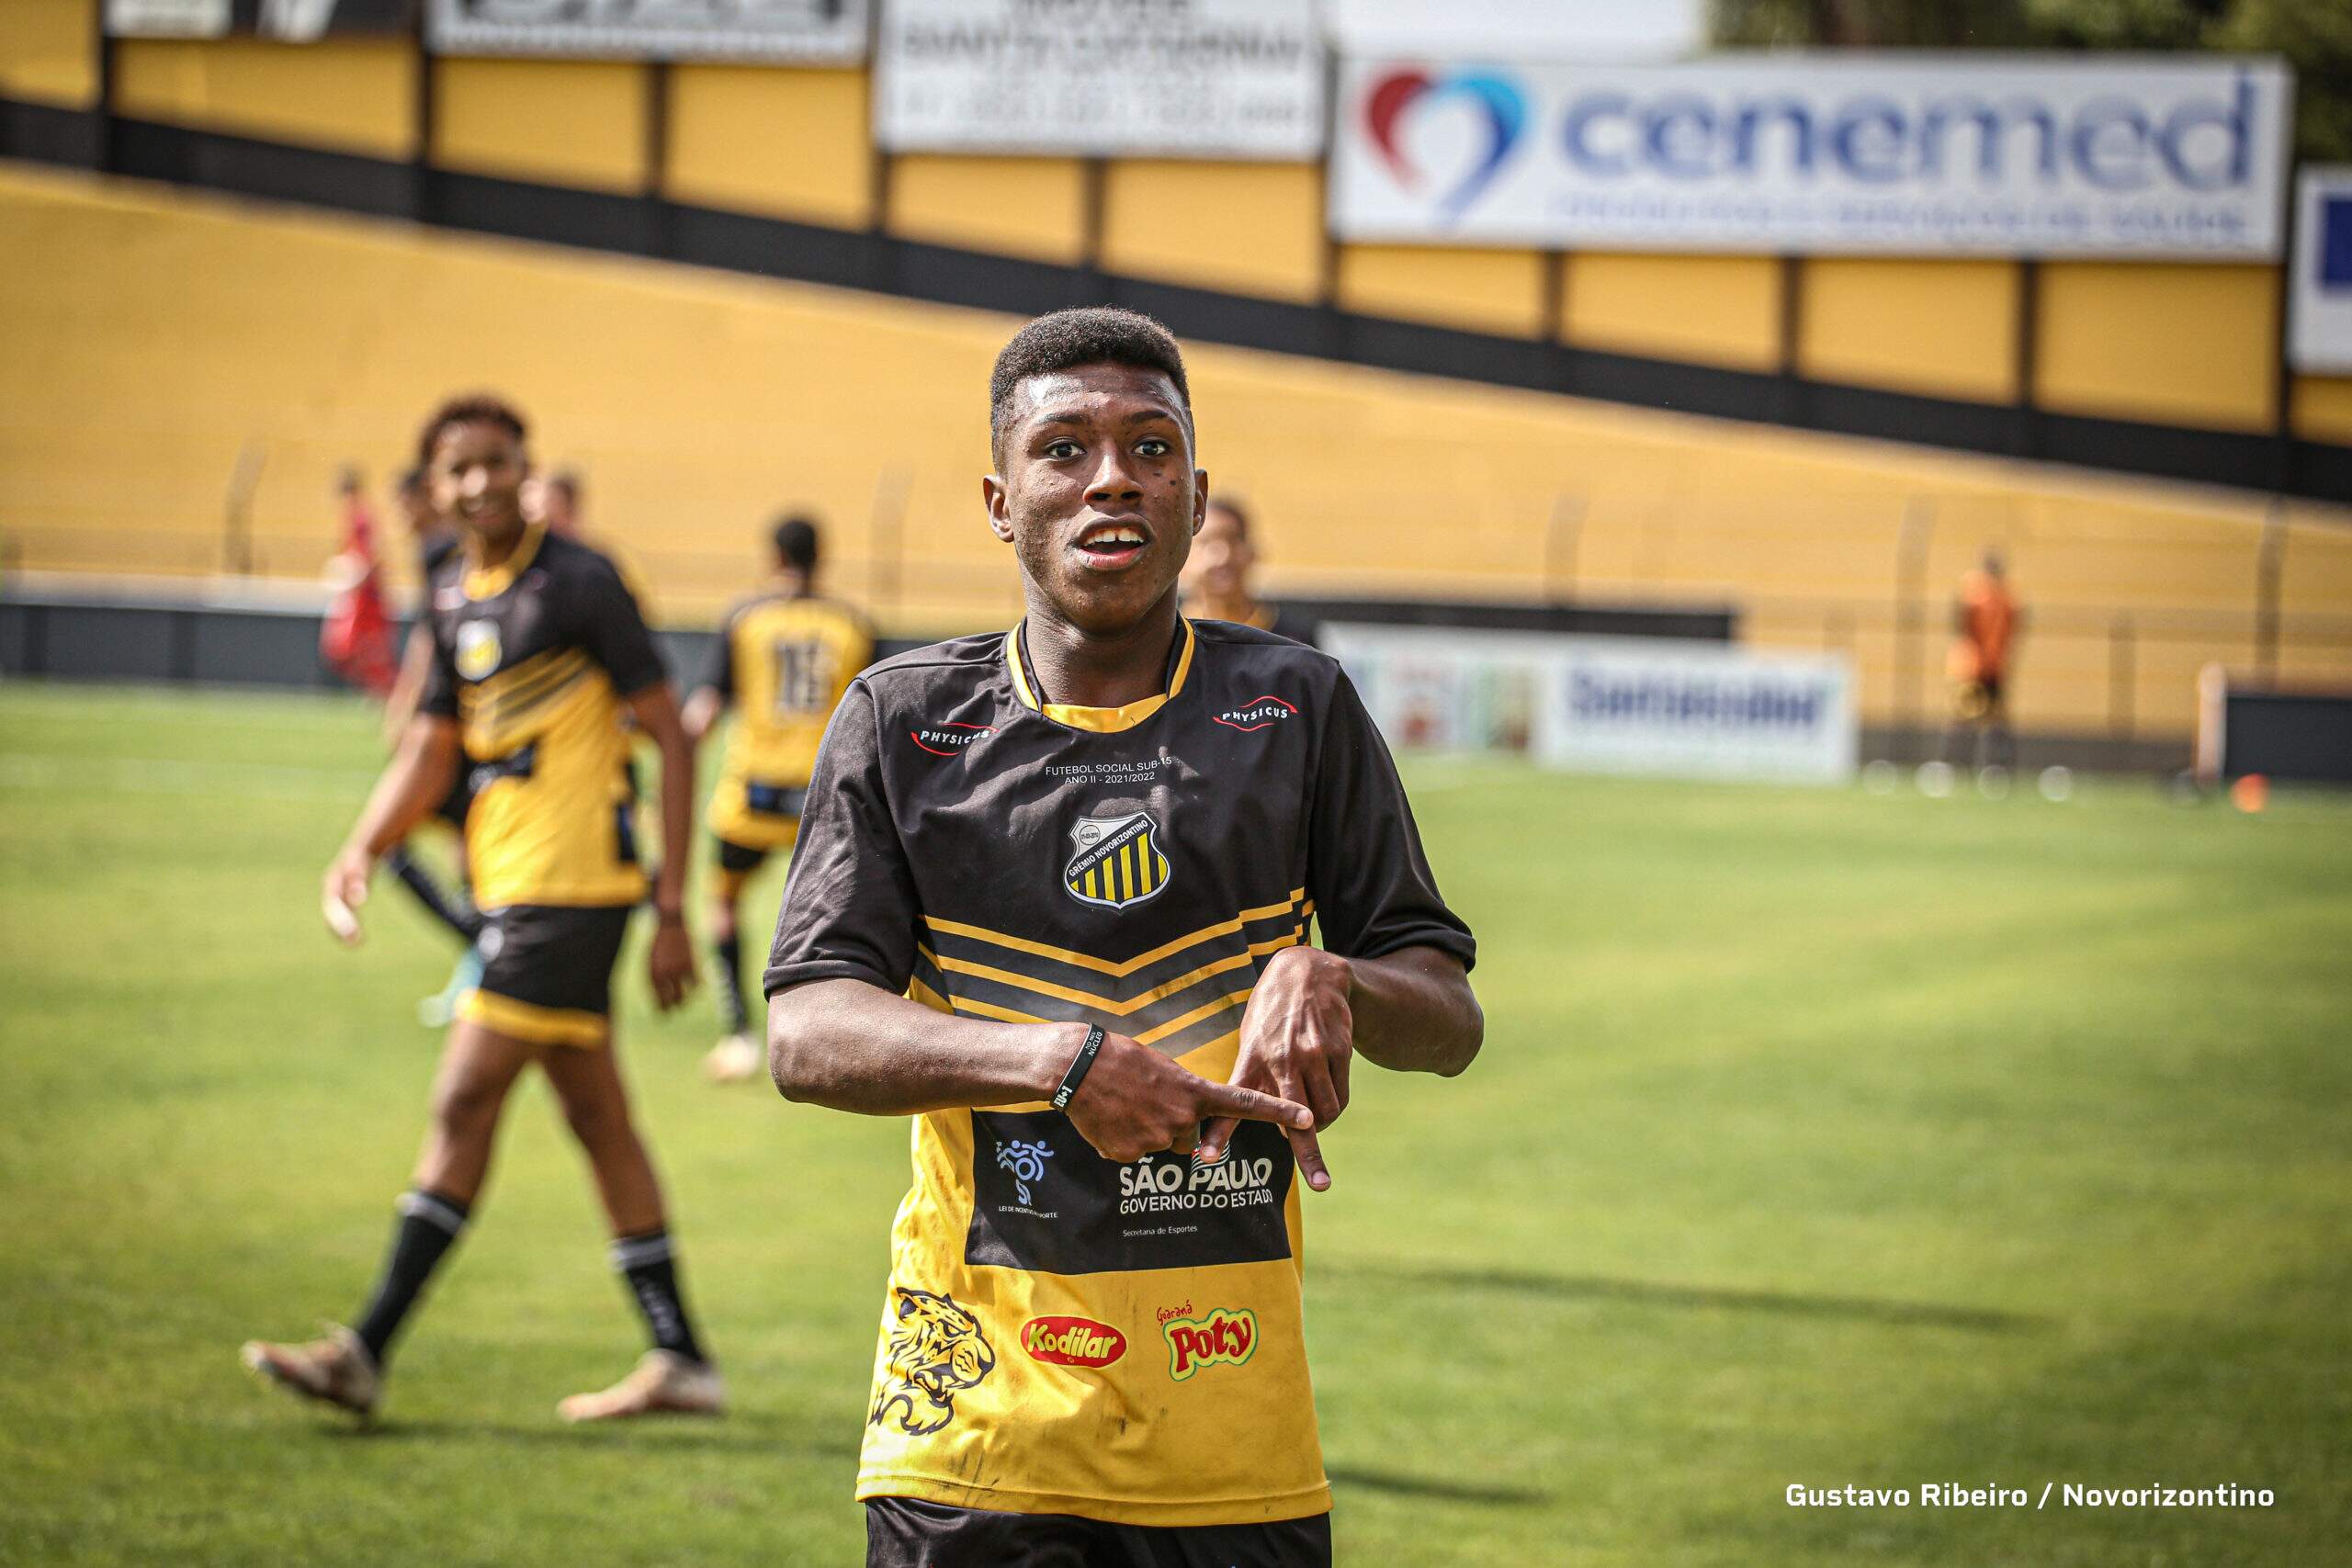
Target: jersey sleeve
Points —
{"points": [[613, 630], [438, 695], [719, 673], [1372, 888], [849, 906]]}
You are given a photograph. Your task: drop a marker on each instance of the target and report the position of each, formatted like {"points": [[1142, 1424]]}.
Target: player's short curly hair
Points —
{"points": [[797, 544], [1094, 334], [472, 408]]}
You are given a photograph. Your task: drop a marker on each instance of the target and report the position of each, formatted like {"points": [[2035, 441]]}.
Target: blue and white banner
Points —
{"points": [[1657, 705], [1913, 153], [2320, 337]]}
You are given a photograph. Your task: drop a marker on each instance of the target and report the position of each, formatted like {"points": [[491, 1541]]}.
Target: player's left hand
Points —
{"points": [[1297, 1038], [670, 963]]}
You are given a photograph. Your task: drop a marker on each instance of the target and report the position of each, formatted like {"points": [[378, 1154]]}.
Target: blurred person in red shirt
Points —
{"points": [[355, 639]]}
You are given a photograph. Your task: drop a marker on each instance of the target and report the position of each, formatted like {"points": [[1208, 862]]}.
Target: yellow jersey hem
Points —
{"points": [[1150, 1513], [616, 895]]}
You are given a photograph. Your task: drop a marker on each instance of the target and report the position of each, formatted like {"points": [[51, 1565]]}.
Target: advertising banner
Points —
{"points": [[1239, 79], [802, 31], [289, 21], [1655, 705], [2320, 337], [1922, 153]]}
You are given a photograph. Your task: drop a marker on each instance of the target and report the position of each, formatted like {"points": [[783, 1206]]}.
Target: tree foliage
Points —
{"points": [[2313, 36]]}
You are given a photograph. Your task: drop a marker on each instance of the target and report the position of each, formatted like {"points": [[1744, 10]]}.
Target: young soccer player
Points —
{"points": [[782, 660], [1052, 898], [537, 650]]}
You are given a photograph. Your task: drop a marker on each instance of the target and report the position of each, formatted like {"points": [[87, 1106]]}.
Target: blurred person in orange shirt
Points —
{"points": [[1985, 623]]}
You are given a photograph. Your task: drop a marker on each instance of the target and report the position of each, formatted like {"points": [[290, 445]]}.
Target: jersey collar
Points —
{"points": [[1102, 720], [490, 582]]}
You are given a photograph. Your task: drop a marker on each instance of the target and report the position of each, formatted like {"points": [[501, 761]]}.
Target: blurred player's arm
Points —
{"points": [[416, 663], [417, 779], [710, 699], [672, 961]]}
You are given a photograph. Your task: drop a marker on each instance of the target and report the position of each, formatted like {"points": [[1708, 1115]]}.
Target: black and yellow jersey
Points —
{"points": [[532, 659], [782, 661], [1064, 1334]]}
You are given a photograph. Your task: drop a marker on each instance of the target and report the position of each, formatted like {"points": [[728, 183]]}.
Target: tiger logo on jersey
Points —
{"points": [[936, 1351], [1117, 863]]}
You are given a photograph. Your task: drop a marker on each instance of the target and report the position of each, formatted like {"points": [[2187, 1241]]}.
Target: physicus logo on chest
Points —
{"points": [[1117, 861], [477, 649]]}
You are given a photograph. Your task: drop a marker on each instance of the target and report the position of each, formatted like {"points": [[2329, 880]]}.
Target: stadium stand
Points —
{"points": [[169, 336]]}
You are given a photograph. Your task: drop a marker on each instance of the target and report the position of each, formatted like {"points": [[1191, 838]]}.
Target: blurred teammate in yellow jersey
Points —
{"points": [[783, 661]]}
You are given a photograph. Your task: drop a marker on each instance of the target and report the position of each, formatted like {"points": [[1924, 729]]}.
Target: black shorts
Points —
{"points": [[740, 859], [546, 973], [906, 1532]]}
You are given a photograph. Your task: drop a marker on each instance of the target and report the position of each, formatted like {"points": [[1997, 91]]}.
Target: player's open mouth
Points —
{"points": [[1108, 546]]}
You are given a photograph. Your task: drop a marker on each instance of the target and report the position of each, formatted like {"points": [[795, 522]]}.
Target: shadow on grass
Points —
{"points": [[1644, 1292], [1347, 1478], [737, 1434]]}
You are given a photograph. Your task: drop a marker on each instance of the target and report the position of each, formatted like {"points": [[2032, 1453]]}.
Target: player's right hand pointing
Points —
{"points": [[1135, 1102], [345, 890]]}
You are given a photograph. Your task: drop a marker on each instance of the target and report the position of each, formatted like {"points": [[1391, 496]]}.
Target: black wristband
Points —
{"points": [[1076, 1074]]}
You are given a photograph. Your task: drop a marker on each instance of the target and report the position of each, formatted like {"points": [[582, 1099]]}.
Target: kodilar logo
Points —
{"points": [[1072, 1341], [1224, 1336]]}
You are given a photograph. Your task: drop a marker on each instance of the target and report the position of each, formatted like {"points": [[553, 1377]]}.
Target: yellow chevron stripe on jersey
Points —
{"points": [[1114, 1007], [524, 681], [1120, 971]]}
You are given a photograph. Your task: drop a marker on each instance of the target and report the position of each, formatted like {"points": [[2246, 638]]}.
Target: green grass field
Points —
{"points": [[1820, 1138]]}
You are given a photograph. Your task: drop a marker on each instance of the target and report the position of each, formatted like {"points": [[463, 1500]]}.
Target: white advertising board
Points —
{"points": [[1915, 153], [1239, 79], [2320, 338], [1656, 706], [808, 31]]}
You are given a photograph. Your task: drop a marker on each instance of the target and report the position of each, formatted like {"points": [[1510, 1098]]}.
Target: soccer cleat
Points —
{"points": [[735, 1059], [336, 1369], [662, 1381]]}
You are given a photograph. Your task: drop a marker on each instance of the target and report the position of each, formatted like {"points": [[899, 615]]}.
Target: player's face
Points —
{"points": [[1219, 567], [1099, 496], [475, 478]]}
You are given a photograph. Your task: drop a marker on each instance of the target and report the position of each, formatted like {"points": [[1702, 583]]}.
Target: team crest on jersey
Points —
{"points": [[477, 649], [937, 1350], [1117, 863]]}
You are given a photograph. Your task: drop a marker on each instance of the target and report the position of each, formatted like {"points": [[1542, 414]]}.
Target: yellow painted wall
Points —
{"points": [[1946, 328], [1484, 290], [2323, 408], [1247, 228], [1708, 309], [2182, 345], [353, 94], [1023, 206], [565, 121], [757, 138], [48, 51], [699, 404]]}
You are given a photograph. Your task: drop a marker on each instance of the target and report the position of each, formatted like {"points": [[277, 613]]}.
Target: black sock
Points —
{"points": [[429, 1222], [730, 986], [645, 1261], [454, 910]]}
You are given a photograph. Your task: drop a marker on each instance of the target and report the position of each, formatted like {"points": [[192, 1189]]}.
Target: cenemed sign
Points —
{"points": [[1848, 153]]}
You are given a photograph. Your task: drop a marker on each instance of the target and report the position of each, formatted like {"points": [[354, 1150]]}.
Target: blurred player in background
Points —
{"points": [[538, 649], [1986, 620], [437, 541], [782, 659], [1051, 898], [356, 635], [554, 501], [1216, 581]]}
